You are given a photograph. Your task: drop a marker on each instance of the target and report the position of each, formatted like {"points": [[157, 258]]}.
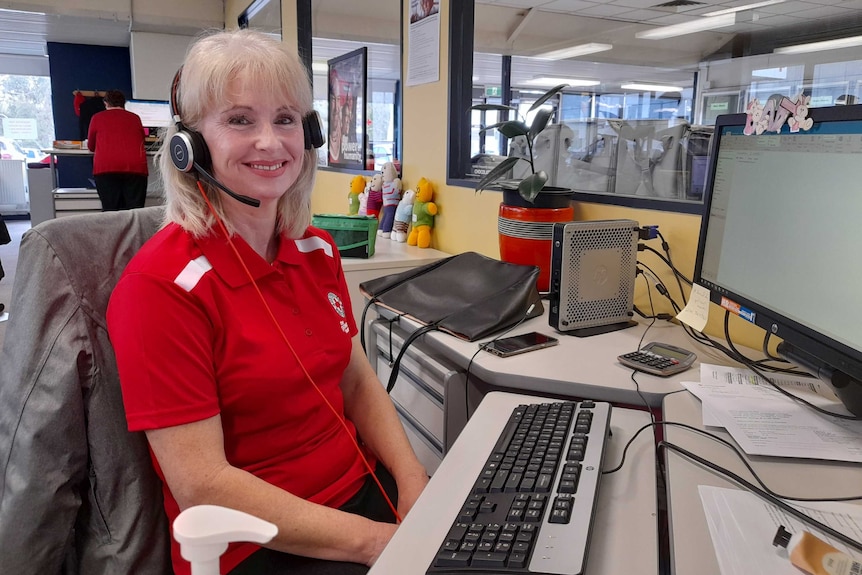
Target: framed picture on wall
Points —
{"points": [[347, 86]]}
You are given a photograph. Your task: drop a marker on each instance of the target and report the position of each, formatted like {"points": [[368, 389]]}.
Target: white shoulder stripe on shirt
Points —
{"points": [[192, 273], [306, 245]]}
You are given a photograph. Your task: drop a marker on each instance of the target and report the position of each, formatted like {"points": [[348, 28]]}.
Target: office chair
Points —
{"points": [[78, 494]]}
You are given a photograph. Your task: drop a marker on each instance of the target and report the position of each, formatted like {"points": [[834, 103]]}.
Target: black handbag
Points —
{"points": [[469, 296]]}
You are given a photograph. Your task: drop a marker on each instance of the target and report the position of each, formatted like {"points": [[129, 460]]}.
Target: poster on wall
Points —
{"points": [[347, 82], [423, 59]]}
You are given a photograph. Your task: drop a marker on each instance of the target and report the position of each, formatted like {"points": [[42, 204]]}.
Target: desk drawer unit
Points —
{"points": [[418, 394]]}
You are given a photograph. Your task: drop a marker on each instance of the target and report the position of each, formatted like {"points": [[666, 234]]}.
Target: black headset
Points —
{"points": [[190, 153]]}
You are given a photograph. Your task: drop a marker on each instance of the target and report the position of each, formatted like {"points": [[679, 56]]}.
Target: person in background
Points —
{"points": [[240, 360], [116, 137]]}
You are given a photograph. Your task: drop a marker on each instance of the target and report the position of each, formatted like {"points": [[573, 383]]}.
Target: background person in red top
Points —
{"points": [[228, 404], [120, 161]]}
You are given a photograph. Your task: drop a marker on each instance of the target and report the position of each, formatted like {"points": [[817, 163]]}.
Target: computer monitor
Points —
{"points": [[153, 113], [780, 244]]}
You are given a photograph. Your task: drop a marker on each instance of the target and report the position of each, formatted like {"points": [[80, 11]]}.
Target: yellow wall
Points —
{"points": [[468, 221]]}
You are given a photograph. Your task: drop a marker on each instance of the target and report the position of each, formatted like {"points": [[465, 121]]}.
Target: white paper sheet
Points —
{"points": [[764, 422], [742, 526]]}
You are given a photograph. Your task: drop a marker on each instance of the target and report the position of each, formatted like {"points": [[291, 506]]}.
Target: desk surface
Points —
{"points": [[585, 367], [691, 545], [625, 536], [390, 254]]}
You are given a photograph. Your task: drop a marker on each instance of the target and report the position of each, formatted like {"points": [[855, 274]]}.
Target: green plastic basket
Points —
{"points": [[354, 235]]}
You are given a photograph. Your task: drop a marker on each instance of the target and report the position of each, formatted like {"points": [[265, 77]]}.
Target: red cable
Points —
{"points": [[341, 420]]}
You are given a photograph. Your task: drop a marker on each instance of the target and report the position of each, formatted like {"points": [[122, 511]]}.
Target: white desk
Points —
{"points": [[690, 543], [625, 533], [73, 201], [577, 367]]}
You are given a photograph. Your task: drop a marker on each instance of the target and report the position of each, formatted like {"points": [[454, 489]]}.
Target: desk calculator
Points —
{"points": [[659, 359]]}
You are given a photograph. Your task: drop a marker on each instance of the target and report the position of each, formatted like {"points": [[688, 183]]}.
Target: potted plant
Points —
{"points": [[530, 187], [530, 207]]}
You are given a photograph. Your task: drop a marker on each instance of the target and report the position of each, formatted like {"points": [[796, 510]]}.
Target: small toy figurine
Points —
{"points": [[424, 211], [363, 203], [403, 215], [375, 195], [391, 197], [357, 184]]}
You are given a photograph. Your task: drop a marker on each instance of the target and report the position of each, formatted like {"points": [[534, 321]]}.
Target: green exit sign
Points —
{"points": [[493, 91], [719, 106]]}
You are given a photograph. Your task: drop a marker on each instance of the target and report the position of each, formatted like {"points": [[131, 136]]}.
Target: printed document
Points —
{"points": [[742, 526], [765, 422]]}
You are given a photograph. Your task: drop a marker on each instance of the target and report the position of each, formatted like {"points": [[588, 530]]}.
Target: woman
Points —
{"points": [[116, 138], [241, 408]]}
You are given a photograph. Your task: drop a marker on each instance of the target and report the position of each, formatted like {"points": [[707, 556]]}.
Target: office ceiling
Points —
{"points": [[518, 28]]}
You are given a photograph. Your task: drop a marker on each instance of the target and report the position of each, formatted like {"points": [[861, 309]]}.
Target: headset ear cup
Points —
{"points": [[313, 130], [188, 150]]}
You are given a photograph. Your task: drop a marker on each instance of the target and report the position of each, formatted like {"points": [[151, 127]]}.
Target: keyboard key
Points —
{"points": [[452, 559], [488, 559]]}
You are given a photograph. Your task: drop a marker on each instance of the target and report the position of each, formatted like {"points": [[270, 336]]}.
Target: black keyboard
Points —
{"points": [[531, 508]]}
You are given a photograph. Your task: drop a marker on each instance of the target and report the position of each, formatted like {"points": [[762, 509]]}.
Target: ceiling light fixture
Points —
{"points": [[651, 87], [574, 51], [746, 7], [848, 42], [551, 81], [699, 25]]}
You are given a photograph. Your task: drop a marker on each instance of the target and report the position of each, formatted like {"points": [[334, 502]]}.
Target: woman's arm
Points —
{"points": [[196, 470], [369, 407]]}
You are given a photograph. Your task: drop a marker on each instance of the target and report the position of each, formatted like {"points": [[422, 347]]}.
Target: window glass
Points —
{"points": [[632, 93]]}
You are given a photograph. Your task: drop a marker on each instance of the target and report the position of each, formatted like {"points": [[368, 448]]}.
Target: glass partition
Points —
{"points": [[624, 73]]}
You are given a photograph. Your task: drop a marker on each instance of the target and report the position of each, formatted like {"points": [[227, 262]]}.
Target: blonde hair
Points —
{"points": [[211, 63]]}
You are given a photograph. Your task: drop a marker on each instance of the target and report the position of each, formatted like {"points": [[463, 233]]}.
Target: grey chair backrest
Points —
{"points": [[78, 493]]}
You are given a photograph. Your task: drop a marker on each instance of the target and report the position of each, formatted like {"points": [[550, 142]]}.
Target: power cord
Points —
{"points": [[762, 491]]}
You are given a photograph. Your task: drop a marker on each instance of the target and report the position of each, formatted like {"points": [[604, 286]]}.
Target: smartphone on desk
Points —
{"points": [[516, 344]]}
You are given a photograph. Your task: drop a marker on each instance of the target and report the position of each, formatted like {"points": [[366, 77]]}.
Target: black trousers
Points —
{"points": [[121, 191], [368, 502]]}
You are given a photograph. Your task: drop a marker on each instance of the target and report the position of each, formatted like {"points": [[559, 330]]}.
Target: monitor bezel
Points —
{"points": [[834, 354]]}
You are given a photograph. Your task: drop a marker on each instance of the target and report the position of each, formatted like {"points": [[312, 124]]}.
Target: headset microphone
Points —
{"points": [[206, 176]]}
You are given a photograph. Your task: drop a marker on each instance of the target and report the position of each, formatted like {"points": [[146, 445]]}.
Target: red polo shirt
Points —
{"points": [[193, 340], [117, 138]]}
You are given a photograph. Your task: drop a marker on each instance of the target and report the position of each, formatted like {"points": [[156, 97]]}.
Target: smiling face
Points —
{"points": [[255, 139]]}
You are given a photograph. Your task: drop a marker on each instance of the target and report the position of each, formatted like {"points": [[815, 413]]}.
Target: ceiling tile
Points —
{"points": [[819, 12], [636, 3], [640, 15], [600, 10], [567, 6]]}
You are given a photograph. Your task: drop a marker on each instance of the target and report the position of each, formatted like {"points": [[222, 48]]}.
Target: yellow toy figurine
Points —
{"points": [[424, 211], [357, 185]]}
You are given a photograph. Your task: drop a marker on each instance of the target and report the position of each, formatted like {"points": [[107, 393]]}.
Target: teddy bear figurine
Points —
{"points": [[424, 211], [403, 215], [357, 185], [391, 197], [375, 195]]}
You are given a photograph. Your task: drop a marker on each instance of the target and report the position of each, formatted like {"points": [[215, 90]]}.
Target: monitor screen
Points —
{"points": [[153, 113], [779, 242]]}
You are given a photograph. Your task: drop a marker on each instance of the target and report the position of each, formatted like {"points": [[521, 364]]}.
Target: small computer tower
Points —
{"points": [[593, 267]]}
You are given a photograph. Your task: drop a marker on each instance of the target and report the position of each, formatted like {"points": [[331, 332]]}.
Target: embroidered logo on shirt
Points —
{"points": [[338, 306]]}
